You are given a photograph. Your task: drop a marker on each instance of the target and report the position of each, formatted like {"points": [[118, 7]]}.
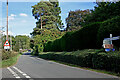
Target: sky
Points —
{"points": [[47, 0], [21, 21]]}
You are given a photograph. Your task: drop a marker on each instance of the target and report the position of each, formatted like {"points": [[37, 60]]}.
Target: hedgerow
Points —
{"points": [[90, 36], [88, 58]]}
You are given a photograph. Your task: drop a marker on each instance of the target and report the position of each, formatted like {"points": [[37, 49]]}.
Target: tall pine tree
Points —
{"points": [[48, 21]]}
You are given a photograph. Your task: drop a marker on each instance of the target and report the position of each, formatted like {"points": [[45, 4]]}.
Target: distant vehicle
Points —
{"points": [[29, 50]]}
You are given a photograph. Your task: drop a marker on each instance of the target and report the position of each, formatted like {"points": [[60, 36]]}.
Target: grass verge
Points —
{"points": [[9, 62]]}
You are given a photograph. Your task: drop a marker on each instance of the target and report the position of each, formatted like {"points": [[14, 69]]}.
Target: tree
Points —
{"points": [[41, 10], [47, 15], [56, 11], [103, 11], [21, 42], [75, 19]]}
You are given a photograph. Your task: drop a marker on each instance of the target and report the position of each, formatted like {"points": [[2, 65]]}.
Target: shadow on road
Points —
{"points": [[30, 55]]}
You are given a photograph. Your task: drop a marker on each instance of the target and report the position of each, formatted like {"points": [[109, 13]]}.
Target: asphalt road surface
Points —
{"points": [[32, 67]]}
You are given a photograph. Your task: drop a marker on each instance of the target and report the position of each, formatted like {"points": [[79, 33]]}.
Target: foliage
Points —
{"points": [[87, 58], [103, 11], [48, 21], [47, 15], [75, 19], [84, 38], [8, 54], [98, 24], [18, 42], [21, 42], [40, 40], [9, 62]]}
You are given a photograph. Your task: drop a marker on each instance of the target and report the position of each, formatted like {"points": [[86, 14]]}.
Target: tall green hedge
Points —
{"points": [[89, 37], [84, 38]]}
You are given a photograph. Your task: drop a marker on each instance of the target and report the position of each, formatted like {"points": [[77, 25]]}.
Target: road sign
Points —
{"points": [[110, 35], [107, 43], [108, 46], [7, 45], [115, 38]]}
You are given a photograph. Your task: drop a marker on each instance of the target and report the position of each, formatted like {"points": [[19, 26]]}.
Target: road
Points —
{"points": [[32, 67]]}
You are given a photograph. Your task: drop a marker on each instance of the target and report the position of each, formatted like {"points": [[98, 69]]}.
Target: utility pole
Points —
{"points": [[7, 22], [7, 45]]}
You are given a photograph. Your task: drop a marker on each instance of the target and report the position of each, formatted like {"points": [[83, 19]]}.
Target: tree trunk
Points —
{"points": [[41, 20]]}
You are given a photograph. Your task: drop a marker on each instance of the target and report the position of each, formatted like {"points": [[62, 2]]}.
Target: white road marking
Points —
{"points": [[24, 74], [14, 74]]}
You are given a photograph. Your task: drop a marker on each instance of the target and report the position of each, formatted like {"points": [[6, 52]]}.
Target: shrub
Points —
{"points": [[88, 58], [8, 54]]}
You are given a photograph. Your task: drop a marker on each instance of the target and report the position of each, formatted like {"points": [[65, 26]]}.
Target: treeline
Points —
{"points": [[97, 26], [18, 42]]}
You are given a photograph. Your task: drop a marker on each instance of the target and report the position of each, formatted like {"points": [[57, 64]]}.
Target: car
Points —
{"points": [[29, 50]]}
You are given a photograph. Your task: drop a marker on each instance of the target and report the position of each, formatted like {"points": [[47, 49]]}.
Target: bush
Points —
{"points": [[8, 54], [88, 58]]}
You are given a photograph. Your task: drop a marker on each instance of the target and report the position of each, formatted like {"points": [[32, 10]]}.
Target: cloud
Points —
{"points": [[11, 17], [23, 14]]}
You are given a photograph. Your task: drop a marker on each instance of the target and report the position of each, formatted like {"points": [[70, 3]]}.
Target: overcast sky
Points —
{"points": [[21, 21]]}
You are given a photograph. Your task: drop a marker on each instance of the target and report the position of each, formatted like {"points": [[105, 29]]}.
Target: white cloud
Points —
{"points": [[23, 14], [11, 17]]}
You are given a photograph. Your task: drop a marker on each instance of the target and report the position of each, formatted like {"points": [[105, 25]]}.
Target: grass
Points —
{"points": [[9, 62]]}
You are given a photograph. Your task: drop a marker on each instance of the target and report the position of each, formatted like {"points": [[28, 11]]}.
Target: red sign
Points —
{"points": [[7, 43], [109, 46]]}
